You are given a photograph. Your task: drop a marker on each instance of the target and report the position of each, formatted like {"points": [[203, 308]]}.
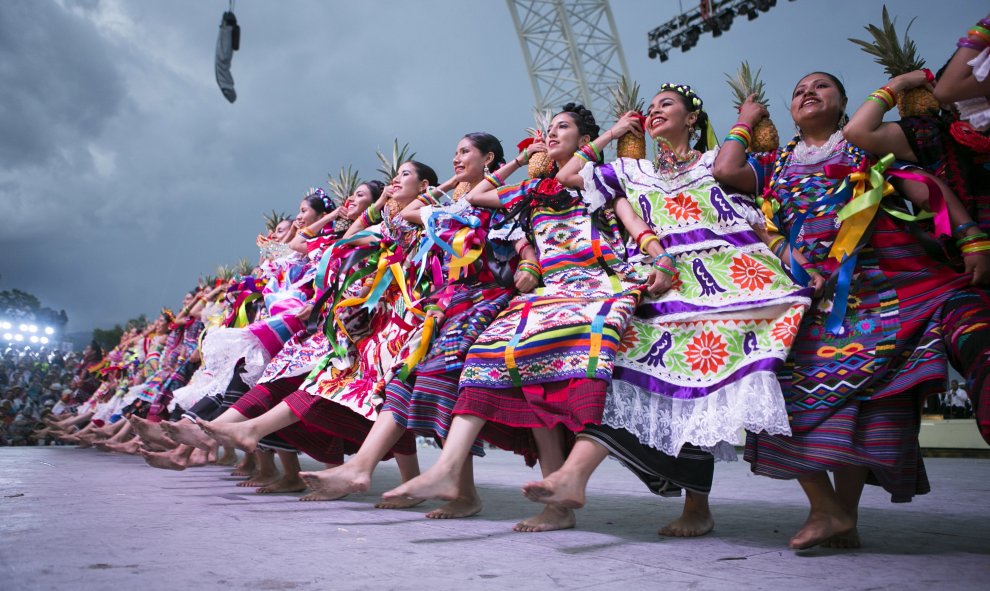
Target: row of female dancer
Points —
{"points": [[645, 310]]}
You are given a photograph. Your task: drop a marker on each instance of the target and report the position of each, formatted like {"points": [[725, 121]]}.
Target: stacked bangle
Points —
{"points": [[305, 231], [668, 269], [432, 308], [741, 133], [974, 244], [981, 32], [963, 227], [493, 179], [969, 43], [884, 97], [777, 246], [646, 237], [372, 216], [531, 267], [589, 153]]}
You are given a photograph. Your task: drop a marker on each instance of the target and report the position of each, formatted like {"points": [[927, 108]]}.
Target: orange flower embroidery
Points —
{"points": [[747, 273], [707, 352], [629, 339], [786, 330], [683, 207]]}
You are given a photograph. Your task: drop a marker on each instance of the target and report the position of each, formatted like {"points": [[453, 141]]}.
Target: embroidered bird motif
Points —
{"points": [[749, 342], [722, 205], [657, 351], [708, 284], [647, 208]]}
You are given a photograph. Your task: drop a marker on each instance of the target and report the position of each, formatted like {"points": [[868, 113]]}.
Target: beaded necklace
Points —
{"points": [[668, 162]]}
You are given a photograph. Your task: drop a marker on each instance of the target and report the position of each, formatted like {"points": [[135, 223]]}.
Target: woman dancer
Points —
{"points": [[540, 370], [462, 309], [698, 364], [862, 362]]}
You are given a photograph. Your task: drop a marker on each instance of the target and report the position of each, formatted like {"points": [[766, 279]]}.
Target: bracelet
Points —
{"points": [[423, 199], [976, 248], [665, 270], [779, 251], [963, 227], [374, 216], [525, 154], [305, 231], [979, 236], [733, 138], [646, 242], [740, 134], [580, 154], [519, 248], [884, 97], [432, 308], [493, 179], [983, 35], [529, 263], [775, 242], [639, 239], [745, 125], [980, 29], [966, 42], [673, 261]]}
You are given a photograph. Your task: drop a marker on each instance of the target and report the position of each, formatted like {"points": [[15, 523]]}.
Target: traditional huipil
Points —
{"points": [[477, 290], [863, 362], [699, 363], [547, 359]]}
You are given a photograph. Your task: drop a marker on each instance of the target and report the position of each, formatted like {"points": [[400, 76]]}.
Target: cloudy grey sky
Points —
{"points": [[124, 174]]}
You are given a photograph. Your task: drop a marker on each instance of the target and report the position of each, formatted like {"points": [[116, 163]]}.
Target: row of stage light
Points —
{"points": [[26, 333], [711, 16]]}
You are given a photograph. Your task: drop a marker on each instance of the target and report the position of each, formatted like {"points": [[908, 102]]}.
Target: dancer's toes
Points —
{"points": [[558, 489], [690, 524], [338, 482], [286, 484], [163, 460], [398, 503], [429, 485], [552, 518], [821, 526], [459, 508]]}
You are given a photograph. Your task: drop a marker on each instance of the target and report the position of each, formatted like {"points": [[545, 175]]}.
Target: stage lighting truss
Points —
{"points": [[711, 16]]}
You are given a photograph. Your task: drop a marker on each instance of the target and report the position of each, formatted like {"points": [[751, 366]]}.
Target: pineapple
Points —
{"points": [[540, 164], [243, 268], [273, 219], [625, 98], [224, 273], [343, 185], [390, 166], [898, 58], [743, 84]]}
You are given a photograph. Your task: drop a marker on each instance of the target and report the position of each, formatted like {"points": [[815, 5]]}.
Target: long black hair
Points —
{"points": [[487, 143]]}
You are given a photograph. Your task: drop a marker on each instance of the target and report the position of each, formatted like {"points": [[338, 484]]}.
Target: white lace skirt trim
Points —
{"points": [[754, 403], [222, 348]]}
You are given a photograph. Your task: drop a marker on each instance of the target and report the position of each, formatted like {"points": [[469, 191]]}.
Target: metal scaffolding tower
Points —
{"points": [[572, 51]]}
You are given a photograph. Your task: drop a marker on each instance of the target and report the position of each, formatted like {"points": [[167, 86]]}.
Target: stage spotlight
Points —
{"points": [[7, 336], [49, 330], [725, 20], [6, 326], [676, 41], [18, 337], [22, 328], [34, 339], [33, 328], [663, 56], [716, 30], [44, 340]]}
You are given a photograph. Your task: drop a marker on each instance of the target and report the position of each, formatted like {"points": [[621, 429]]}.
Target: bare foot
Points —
{"points": [[189, 433], [152, 433], [317, 496], [690, 524], [198, 458], [459, 508], [261, 477], [432, 484], [338, 482], [246, 467], [229, 457], [128, 447], [400, 503], [552, 518], [821, 526], [163, 460], [844, 541], [557, 488], [286, 484], [230, 434]]}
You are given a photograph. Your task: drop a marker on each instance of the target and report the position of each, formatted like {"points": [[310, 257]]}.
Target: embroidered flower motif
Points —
{"points": [[786, 330], [683, 207], [629, 339], [866, 325], [707, 352], [748, 274]]}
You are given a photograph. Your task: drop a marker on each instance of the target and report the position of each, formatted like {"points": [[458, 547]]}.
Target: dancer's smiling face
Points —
{"points": [[668, 117], [563, 137], [470, 162], [817, 97], [357, 203]]}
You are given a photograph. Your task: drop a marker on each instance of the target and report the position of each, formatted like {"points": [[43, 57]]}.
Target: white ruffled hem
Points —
{"points": [[222, 349], [754, 403], [976, 111], [981, 65]]}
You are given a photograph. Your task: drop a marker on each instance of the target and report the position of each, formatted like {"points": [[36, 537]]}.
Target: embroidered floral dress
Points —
{"points": [[699, 363]]}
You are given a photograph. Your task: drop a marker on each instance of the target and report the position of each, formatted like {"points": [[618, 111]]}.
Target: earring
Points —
{"points": [[487, 172]]}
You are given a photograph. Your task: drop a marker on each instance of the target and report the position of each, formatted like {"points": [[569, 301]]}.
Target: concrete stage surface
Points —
{"points": [[80, 519]]}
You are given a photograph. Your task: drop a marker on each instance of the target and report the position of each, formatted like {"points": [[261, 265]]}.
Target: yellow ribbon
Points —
{"points": [[424, 346], [459, 244], [357, 301], [242, 320], [869, 188]]}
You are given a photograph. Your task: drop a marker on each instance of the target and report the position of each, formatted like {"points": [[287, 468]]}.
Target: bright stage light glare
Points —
{"points": [[18, 337], [44, 340], [7, 325], [7, 336], [22, 328], [33, 328], [34, 339], [49, 330]]}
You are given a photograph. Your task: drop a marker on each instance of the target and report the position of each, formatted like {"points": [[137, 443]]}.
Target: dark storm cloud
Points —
{"points": [[59, 79]]}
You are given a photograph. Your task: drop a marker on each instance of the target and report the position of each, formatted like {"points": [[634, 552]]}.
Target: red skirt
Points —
{"points": [[338, 421]]}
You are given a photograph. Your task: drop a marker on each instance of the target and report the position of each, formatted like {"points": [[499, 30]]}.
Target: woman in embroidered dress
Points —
{"points": [[540, 370], [294, 359], [340, 398], [954, 150], [698, 363], [461, 309], [876, 343]]}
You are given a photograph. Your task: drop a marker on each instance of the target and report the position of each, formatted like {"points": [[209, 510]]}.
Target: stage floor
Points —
{"points": [[79, 519]]}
